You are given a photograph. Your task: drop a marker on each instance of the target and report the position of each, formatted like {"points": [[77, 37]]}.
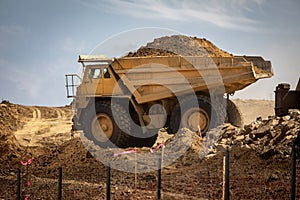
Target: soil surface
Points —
{"points": [[259, 158]]}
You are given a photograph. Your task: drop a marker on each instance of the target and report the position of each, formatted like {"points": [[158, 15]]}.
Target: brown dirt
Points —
{"points": [[180, 45], [191, 176]]}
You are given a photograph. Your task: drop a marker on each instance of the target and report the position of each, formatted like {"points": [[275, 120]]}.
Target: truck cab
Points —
{"points": [[97, 80]]}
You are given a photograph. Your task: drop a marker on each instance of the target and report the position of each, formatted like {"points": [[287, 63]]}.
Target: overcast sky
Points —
{"points": [[40, 40]]}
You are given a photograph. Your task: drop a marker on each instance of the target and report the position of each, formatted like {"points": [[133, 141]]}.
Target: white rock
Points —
{"points": [[240, 137]]}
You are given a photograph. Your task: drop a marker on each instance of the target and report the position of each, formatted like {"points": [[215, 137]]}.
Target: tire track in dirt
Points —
{"points": [[41, 131], [59, 113], [25, 135], [38, 113]]}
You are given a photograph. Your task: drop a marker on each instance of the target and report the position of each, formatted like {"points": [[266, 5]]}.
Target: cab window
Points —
{"points": [[106, 73], [94, 73]]}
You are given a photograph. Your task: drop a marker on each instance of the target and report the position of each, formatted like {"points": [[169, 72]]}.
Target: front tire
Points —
{"points": [[106, 129]]}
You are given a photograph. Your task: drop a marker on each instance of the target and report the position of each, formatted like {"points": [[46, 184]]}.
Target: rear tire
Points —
{"points": [[204, 114]]}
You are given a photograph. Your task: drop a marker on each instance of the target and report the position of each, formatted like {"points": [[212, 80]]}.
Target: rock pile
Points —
{"points": [[274, 135], [180, 45]]}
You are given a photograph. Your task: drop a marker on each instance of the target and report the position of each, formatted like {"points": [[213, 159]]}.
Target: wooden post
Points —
{"points": [[59, 196], [18, 184], [135, 171], [159, 179], [108, 182], [293, 173], [226, 175]]}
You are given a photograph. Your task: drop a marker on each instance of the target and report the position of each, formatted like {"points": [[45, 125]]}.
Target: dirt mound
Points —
{"points": [[182, 150], [11, 119], [180, 45], [71, 155], [268, 137], [25, 131]]}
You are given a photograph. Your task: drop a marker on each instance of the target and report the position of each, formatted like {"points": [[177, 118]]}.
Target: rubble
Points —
{"points": [[274, 135]]}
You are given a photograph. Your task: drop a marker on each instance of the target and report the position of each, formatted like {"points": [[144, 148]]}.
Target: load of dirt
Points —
{"points": [[179, 45]]}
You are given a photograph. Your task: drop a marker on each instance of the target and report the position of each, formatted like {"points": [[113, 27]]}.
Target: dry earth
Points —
{"points": [[43, 133]]}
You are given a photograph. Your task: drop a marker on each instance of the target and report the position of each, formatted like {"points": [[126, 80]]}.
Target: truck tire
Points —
{"points": [[107, 130], [234, 115], [210, 116]]}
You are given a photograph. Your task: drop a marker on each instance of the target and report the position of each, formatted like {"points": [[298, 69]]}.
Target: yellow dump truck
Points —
{"points": [[125, 101]]}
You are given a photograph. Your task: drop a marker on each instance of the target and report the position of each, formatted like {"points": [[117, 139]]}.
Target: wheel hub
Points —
{"points": [[194, 118], [102, 127]]}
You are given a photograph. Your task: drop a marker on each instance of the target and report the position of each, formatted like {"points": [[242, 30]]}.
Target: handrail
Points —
{"points": [[70, 85]]}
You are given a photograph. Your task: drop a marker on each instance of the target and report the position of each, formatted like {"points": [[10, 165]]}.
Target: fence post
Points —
{"points": [[59, 183], [18, 184], [226, 175], [108, 182], [293, 173], [159, 179]]}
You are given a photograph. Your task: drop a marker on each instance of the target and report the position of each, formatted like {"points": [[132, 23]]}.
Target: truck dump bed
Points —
{"points": [[158, 77]]}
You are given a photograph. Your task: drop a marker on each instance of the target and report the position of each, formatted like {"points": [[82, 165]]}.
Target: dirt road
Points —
{"points": [[47, 129]]}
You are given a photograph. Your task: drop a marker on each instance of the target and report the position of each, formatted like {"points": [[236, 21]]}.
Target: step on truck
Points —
{"points": [[125, 101]]}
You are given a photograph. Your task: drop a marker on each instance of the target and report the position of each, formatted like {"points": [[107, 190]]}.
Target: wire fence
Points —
{"points": [[228, 181]]}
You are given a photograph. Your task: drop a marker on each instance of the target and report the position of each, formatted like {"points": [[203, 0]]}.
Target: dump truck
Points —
{"points": [[125, 101]]}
